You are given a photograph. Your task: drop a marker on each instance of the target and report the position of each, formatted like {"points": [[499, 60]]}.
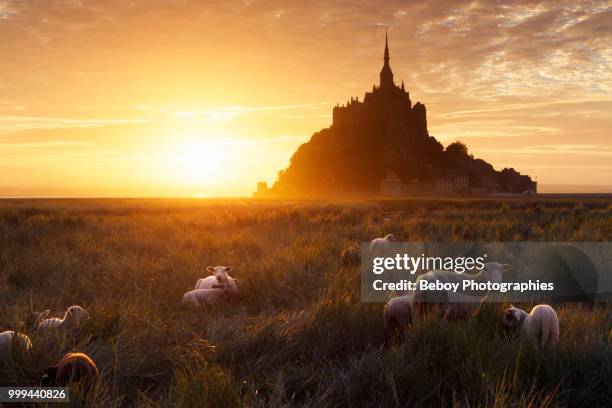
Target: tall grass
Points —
{"points": [[297, 334]]}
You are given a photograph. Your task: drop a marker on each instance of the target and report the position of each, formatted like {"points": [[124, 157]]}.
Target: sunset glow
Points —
{"points": [[138, 98]]}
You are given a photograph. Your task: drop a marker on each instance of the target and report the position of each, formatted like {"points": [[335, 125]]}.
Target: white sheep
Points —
{"points": [[456, 304], [73, 318], [10, 339], [203, 297], [398, 312], [540, 326], [382, 246], [218, 279]]}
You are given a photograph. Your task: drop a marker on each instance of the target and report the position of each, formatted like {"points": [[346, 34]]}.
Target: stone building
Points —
{"points": [[387, 112], [262, 190], [381, 145]]}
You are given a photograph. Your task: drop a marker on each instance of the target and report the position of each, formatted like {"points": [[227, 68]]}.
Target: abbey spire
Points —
{"points": [[386, 75], [386, 48]]}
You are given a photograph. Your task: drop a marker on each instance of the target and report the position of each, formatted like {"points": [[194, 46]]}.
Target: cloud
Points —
{"points": [[19, 123], [578, 149], [6, 11], [228, 113], [10, 106], [57, 144]]}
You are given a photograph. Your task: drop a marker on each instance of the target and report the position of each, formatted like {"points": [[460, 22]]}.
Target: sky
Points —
{"points": [[205, 98]]}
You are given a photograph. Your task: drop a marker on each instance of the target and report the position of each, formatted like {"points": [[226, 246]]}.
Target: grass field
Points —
{"points": [[297, 333]]}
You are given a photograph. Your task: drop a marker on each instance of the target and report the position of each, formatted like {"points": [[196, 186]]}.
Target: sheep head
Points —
{"points": [[513, 317], [75, 315], [220, 273], [494, 270], [390, 238]]}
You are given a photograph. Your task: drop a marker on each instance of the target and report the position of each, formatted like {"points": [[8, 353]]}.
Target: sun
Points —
{"points": [[199, 163]]}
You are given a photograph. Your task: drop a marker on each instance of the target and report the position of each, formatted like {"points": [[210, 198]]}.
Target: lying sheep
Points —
{"points": [[219, 278], [382, 246], [540, 326], [72, 368], [398, 312], [455, 304], [11, 340], [203, 297], [73, 318]]}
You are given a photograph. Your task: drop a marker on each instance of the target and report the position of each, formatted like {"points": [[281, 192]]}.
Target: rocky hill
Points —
{"points": [[381, 145]]}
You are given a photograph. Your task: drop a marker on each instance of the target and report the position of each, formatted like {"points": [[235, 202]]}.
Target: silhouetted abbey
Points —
{"points": [[381, 146]]}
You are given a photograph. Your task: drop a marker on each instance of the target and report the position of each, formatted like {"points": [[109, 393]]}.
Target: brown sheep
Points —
{"points": [[72, 368]]}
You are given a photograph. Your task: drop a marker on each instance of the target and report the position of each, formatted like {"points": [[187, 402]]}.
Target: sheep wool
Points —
{"points": [[540, 326], [398, 312], [72, 368], [202, 297], [10, 339], [456, 304], [382, 246]]}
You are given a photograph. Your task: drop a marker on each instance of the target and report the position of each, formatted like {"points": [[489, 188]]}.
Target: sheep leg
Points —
{"points": [[544, 335]]}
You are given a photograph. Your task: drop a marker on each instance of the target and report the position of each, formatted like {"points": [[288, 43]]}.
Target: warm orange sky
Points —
{"points": [[154, 97]]}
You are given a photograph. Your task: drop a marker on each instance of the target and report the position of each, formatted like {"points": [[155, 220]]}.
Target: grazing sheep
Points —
{"points": [[540, 326], [454, 304], [219, 278], [11, 340], [382, 246], [72, 368], [73, 318], [398, 312], [203, 297]]}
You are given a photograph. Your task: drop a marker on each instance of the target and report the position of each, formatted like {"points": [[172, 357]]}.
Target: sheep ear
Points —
{"points": [[506, 267], [229, 268], [210, 268]]}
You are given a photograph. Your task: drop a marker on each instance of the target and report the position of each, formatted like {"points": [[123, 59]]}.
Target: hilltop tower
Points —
{"points": [[386, 75], [388, 111]]}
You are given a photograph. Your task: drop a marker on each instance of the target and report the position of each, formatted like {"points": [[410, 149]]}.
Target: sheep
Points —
{"points": [[11, 340], [540, 326], [203, 297], [398, 312], [72, 368], [454, 304], [382, 246], [218, 279], [73, 318]]}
